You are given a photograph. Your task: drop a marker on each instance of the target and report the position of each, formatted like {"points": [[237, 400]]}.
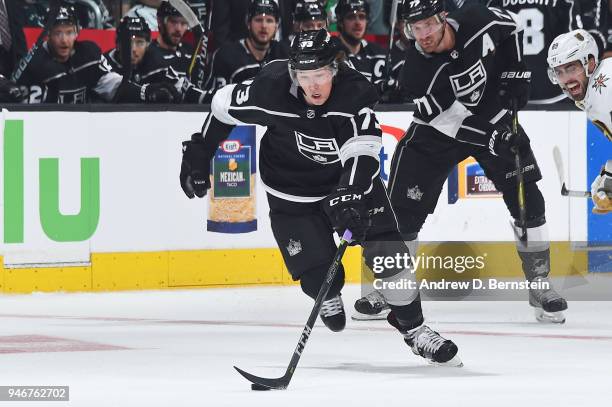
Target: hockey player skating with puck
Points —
{"points": [[574, 66], [464, 73], [319, 166]]}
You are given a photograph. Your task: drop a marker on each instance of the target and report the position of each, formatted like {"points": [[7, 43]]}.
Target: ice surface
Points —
{"points": [[177, 348]]}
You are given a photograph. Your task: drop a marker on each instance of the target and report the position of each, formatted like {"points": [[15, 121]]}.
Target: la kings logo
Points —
{"points": [[469, 85], [320, 150], [73, 96]]}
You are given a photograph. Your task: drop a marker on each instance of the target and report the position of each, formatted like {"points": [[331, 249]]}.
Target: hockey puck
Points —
{"points": [[255, 386]]}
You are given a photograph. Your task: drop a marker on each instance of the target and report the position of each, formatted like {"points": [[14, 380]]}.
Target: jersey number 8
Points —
{"points": [[532, 21]]}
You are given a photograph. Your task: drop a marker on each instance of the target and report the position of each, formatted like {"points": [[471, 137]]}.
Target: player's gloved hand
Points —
{"points": [[504, 143], [195, 167], [514, 85], [346, 209], [601, 190], [10, 92], [389, 90], [159, 93]]}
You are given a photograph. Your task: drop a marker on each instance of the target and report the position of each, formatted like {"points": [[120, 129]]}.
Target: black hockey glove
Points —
{"points": [[195, 167], [346, 209], [514, 85], [10, 92], [503, 143], [159, 93], [389, 91]]}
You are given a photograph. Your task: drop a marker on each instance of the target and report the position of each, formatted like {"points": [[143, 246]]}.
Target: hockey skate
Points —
{"points": [[371, 307], [332, 313], [429, 344], [547, 303]]}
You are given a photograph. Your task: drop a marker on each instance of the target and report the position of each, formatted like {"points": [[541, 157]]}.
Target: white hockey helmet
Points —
{"points": [[577, 45]]}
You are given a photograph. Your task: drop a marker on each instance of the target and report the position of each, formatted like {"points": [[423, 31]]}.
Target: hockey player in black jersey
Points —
{"points": [[309, 15], [139, 33], [542, 21], [241, 60], [177, 54], [319, 164], [148, 64], [464, 73], [366, 57], [67, 71]]}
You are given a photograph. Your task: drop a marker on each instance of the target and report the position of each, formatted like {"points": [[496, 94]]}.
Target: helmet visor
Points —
{"points": [[423, 28], [314, 77]]}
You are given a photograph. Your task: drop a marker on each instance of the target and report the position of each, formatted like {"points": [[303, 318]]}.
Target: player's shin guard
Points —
{"points": [[535, 258], [374, 306]]}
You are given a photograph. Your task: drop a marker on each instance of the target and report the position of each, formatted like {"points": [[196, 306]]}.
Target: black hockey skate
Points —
{"points": [[332, 313], [547, 303], [429, 344], [372, 306]]}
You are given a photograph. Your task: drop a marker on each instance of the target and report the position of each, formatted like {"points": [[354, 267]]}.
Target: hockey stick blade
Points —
{"points": [[276, 384], [281, 383], [186, 12], [575, 194], [561, 174]]}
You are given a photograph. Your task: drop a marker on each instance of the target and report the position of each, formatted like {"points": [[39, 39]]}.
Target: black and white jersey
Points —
{"points": [[542, 21], [234, 63], [151, 69], [162, 65], [306, 151], [370, 60], [456, 92], [85, 77], [180, 60]]}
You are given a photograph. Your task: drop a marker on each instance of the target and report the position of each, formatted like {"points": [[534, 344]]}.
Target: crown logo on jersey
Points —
{"points": [[294, 247], [600, 82], [475, 96], [414, 193]]}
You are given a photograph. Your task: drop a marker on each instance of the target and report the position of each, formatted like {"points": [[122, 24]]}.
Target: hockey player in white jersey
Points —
{"points": [[574, 66]]}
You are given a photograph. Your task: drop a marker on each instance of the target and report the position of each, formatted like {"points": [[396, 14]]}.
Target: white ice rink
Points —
{"points": [[177, 348]]}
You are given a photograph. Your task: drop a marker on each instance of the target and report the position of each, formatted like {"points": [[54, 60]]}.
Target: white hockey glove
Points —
{"points": [[601, 190]]}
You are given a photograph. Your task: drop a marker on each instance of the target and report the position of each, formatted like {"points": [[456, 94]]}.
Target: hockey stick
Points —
{"points": [[54, 6], [392, 22], [520, 182], [126, 61], [281, 383], [561, 173], [194, 26]]}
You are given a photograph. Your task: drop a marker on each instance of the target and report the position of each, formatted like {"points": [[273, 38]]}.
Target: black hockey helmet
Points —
{"points": [[312, 50], [66, 15], [346, 7], [268, 7], [416, 10], [134, 26], [167, 10], [307, 10]]}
